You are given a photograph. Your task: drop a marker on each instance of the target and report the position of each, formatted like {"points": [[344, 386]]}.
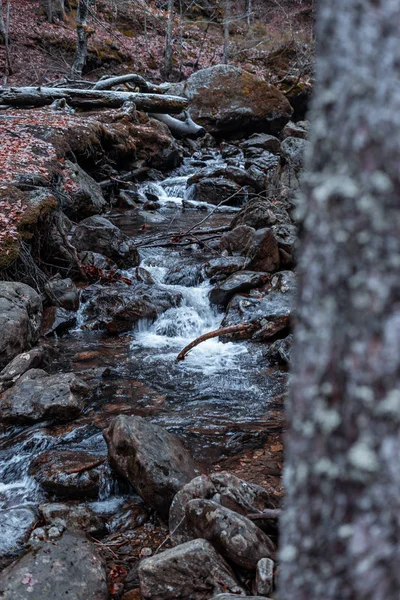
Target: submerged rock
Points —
{"points": [[57, 320], [226, 99], [153, 460], [69, 567], [37, 396], [98, 234], [20, 318], [69, 474], [237, 538], [193, 570]]}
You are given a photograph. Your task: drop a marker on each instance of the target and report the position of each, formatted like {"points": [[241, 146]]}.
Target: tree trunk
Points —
{"points": [[227, 19], [168, 40], [4, 37], [82, 37], [30, 96], [341, 527], [248, 12]]}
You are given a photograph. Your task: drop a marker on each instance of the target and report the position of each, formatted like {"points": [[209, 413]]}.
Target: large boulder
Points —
{"points": [[69, 474], [70, 567], [99, 235], [116, 310], [237, 538], [37, 396], [20, 318], [85, 196], [153, 460], [193, 570], [226, 99]]}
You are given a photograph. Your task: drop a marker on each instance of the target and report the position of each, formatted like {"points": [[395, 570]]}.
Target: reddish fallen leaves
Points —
{"points": [[10, 215]]}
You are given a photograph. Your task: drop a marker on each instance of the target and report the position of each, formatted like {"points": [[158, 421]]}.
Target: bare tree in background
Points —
{"points": [[54, 9], [249, 11], [4, 36], [82, 32], [227, 22], [168, 40], [341, 526]]}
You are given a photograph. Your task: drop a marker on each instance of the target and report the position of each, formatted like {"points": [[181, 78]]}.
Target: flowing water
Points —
{"points": [[219, 399]]}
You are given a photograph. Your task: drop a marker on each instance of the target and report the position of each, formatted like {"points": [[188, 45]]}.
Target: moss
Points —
{"points": [[9, 253]]}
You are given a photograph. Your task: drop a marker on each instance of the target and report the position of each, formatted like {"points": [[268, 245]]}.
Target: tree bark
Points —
{"points": [[137, 80], [168, 40], [82, 34], [181, 129], [227, 22], [30, 96], [341, 527]]}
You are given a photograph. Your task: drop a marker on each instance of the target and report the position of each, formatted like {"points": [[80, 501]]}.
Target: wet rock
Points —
{"points": [[221, 267], [20, 365], [74, 516], [233, 596], [223, 488], [268, 311], [225, 99], [243, 281], [263, 141], [296, 130], [193, 570], [69, 474], [153, 460], [214, 190], [293, 151], [63, 293], [117, 309], [187, 275], [266, 162], [237, 538], [279, 352], [99, 235], [234, 174], [16, 525], [86, 198], [20, 318], [287, 237], [264, 580], [37, 396], [57, 321], [94, 259], [229, 150], [70, 567], [237, 241], [264, 252], [257, 213]]}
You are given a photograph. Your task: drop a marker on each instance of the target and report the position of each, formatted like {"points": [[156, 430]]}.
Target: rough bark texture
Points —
{"points": [[341, 525], [82, 33]]}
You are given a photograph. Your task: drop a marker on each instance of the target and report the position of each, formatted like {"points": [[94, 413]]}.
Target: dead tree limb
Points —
{"points": [[181, 129], [138, 80], [86, 467], [42, 96], [269, 513], [212, 334]]}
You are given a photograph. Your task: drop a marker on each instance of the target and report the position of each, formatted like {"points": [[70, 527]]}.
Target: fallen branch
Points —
{"points": [[138, 80], [92, 465], [181, 129], [212, 334], [42, 96], [270, 513]]}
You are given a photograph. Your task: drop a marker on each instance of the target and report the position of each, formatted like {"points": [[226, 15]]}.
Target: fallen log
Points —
{"points": [[181, 129], [42, 96], [212, 334], [138, 80]]}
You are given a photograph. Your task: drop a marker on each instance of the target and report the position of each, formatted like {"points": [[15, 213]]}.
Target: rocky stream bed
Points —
{"points": [[102, 428]]}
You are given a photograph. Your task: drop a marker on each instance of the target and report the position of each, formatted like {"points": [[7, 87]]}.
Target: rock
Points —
{"points": [[264, 580], [226, 172], [94, 259], [16, 525], [20, 365], [63, 293], [279, 351], [193, 570], [263, 141], [268, 311], [20, 318], [287, 237], [86, 197], [233, 596], [117, 309], [264, 252], [37, 396], [218, 268], [69, 474], [153, 460], [214, 190], [70, 567], [238, 241], [57, 321], [296, 130], [99, 235], [225, 99], [237, 538], [243, 281], [293, 151], [223, 488], [75, 516], [187, 275], [257, 213], [266, 162]]}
